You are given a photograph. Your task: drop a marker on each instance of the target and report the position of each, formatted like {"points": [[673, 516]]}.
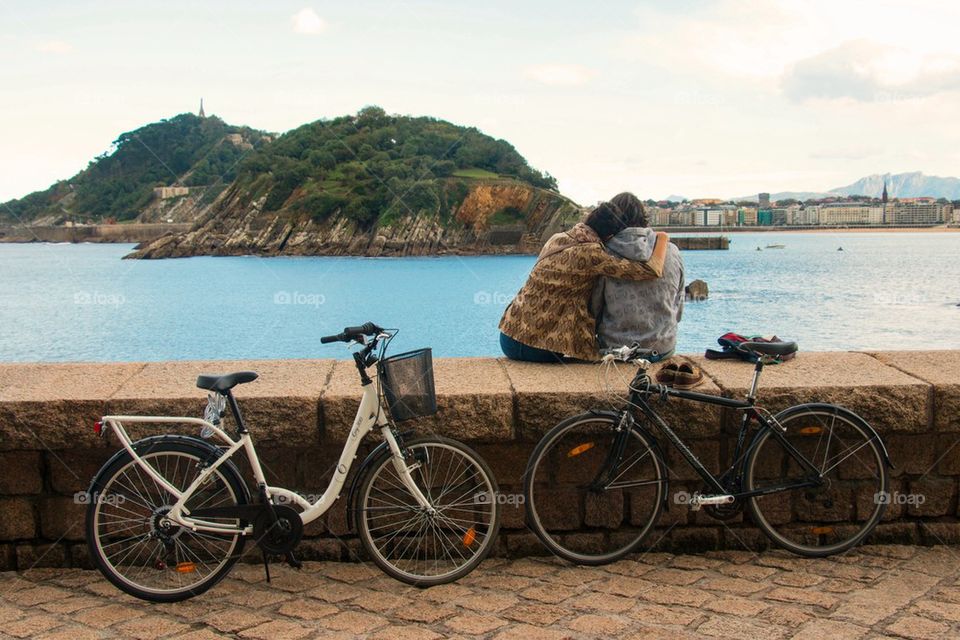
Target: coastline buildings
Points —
{"points": [[838, 211], [918, 211]]}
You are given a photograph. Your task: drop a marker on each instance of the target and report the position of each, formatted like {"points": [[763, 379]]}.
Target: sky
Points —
{"points": [[701, 99]]}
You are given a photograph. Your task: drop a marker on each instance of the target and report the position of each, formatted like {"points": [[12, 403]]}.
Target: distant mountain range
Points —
{"points": [[913, 184]]}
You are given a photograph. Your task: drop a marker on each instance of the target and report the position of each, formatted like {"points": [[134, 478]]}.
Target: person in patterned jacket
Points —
{"points": [[549, 318]]}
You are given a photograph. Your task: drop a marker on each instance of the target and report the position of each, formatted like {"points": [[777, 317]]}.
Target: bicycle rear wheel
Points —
{"points": [[851, 497], [131, 542], [584, 508], [416, 546]]}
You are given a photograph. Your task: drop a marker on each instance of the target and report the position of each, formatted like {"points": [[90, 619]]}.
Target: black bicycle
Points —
{"points": [[813, 477]]}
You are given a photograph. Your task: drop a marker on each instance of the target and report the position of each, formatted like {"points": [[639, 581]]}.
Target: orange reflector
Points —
{"points": [[186, 567], [811, 431], [469, 537], [821, 531], [586, 446]]}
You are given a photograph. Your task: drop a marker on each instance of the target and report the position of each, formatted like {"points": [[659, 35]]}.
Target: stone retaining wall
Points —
{"points": [[300, 410]]}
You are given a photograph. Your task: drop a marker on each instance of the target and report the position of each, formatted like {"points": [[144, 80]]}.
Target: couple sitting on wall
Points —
{"points": [[609, 281]]}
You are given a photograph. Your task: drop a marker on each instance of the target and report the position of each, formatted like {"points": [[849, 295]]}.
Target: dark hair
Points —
{"points": [[606, 220], [632, 209]]}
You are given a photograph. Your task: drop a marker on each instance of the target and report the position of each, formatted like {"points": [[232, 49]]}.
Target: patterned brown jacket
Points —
{"points": [[551, 309]]}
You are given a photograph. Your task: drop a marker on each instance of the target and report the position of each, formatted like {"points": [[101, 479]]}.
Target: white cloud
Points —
{"points": [[752, 40], [558, 74], [307, 22], [54, 46], [869, 71]]}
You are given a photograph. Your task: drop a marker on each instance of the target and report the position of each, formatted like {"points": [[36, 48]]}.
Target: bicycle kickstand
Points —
{"points": [[293, 561]]}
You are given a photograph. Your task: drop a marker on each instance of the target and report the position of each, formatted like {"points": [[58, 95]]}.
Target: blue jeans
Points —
{"points": [[518, 351]]}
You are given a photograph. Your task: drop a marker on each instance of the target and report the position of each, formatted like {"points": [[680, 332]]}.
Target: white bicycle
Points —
{"points": [[169, 515]]}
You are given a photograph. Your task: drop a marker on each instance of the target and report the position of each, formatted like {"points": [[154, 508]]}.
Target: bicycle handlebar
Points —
{"points": [[351, 333], [632, 353]]}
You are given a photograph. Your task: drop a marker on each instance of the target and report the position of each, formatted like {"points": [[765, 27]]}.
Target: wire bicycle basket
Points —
{"points": [[406, 380]]}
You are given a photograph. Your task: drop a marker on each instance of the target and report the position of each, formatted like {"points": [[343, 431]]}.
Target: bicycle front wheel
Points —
{"points": [[587, 501], [423, 547], [851, 478]]}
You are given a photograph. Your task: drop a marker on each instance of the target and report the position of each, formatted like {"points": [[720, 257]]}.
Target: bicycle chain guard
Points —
{"points": [[280, 537]]}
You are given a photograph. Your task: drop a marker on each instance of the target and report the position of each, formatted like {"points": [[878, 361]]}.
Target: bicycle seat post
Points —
{"points": [[235, 409], [757, 370]]}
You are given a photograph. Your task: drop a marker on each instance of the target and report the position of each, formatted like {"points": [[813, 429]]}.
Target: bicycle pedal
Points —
{"points": [[698, 501]]}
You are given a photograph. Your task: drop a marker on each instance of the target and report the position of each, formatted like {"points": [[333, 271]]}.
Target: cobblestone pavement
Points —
{"points": [[880, 591]]}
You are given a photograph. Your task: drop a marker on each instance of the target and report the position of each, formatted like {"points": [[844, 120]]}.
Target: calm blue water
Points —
{"points": [[82, 302]]}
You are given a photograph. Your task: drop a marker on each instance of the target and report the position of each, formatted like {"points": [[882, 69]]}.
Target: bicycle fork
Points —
{"points": [[405, 470]]}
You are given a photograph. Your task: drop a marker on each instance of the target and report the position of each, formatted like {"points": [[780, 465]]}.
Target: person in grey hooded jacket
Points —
{"points": [[646, 311]]}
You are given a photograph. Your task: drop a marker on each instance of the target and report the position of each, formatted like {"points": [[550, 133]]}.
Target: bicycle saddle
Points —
{"points": [[225, 382], [770, 348]]}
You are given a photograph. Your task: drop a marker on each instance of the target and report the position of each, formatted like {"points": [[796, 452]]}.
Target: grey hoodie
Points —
{"points": [[643, 311]]}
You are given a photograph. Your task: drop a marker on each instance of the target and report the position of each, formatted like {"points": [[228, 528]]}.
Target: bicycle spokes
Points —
{"points": [[593, 492], [831, 477], [439, 539], [136, 540]]}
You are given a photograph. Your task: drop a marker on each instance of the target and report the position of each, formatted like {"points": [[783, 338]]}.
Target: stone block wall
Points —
{"points": [[300, 410]]}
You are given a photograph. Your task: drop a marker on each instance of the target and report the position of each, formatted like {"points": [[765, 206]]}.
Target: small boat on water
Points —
{"points": [[776, 246]]}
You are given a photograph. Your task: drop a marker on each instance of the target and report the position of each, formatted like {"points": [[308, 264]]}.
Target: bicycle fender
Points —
{"points": [[208, 452], [362, 472], [823, 406]]}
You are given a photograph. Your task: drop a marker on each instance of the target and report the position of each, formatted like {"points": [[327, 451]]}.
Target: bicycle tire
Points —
{"points": [[461, 523], [818, 521], [106, 489], [599, 539]]}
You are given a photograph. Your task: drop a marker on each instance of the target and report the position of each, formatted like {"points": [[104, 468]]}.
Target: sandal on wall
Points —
{"points": [[687, 376], [668, 374]]}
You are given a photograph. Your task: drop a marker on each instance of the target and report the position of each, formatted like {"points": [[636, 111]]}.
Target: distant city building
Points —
{"points": [[778, 216], [802, 216], [884, 198], [763, 201], [847, 213], [747, 216], [919, 211], [170, 192], [658, 216], [708, 216]]}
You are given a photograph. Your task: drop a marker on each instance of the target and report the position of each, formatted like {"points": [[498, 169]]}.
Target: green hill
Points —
{"points": [[370, 169], [373, 167], [185, 150]]}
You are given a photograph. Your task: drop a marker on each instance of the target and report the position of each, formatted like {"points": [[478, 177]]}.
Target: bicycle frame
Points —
{"points": [[370, 415], [750, 410]]}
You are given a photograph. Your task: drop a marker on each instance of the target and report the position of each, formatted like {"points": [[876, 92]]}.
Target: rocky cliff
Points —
{"points": [[494, 217]]}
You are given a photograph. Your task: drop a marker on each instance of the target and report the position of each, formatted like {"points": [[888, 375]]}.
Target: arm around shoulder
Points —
{"points": [[608, 265]]}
